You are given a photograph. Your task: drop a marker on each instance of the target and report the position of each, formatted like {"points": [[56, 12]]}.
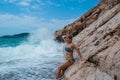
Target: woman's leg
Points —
{"points": [[62, 68]]}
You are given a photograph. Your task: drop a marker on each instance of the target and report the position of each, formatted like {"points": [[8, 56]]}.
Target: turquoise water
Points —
{"points": [[35, 57], [13, 42]]}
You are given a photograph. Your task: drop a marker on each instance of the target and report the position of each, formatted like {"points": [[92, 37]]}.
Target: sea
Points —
{"points": [[32, 57]]}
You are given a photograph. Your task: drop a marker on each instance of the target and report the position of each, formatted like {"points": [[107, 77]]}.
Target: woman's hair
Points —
{"points": [[69, 36]]}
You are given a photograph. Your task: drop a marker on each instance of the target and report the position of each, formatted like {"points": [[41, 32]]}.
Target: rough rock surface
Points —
{"points": [[88, 18], [99, 42]]}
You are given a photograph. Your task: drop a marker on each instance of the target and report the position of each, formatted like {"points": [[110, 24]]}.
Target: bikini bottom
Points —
{"points": [[70, 60]]}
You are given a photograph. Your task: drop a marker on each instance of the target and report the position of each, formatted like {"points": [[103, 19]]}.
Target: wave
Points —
{"points": [[16, 35], [35, 59], [13, 40]]}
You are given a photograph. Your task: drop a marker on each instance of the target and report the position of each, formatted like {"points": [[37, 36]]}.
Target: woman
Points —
{"points": [[69, 47]]}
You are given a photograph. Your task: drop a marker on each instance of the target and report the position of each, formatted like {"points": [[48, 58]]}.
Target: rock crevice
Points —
{"points": [[97, 34]]}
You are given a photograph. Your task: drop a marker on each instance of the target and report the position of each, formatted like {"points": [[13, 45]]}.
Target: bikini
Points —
{"points": [[70, 51], [67, 49]]}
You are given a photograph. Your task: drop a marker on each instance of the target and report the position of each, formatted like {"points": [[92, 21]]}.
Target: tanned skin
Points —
{"points": [[61, 69]]}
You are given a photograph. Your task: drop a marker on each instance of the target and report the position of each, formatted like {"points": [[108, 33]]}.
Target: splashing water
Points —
{"points": [[36, 59]]}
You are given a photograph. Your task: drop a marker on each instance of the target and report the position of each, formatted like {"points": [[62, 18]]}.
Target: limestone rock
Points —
{"points": [[97, 34], [100, 44]]}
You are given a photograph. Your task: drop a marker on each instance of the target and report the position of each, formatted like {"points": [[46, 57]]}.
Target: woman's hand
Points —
{"points": [[78, 51]]}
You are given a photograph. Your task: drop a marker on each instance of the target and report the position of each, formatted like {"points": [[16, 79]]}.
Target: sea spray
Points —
{"points": [[36, 59]]}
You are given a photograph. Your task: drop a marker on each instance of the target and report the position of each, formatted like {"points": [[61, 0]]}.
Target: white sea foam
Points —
{"points": [[39, 56]]}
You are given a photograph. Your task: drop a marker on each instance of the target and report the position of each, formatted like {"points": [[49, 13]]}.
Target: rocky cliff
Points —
{"points": [[97, 34]]}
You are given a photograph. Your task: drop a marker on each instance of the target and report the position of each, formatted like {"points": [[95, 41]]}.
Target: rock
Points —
{"points": [[99, 42], [85, 20], [111, 3]]}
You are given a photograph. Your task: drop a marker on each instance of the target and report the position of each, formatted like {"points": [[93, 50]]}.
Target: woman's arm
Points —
{"points": [[78, 51]]}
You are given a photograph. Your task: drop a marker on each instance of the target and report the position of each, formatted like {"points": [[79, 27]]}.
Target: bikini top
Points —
{"points": [[68, 49]]}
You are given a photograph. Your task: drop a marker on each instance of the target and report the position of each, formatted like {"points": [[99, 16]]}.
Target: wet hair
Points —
{"points": [[69, 36]]}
